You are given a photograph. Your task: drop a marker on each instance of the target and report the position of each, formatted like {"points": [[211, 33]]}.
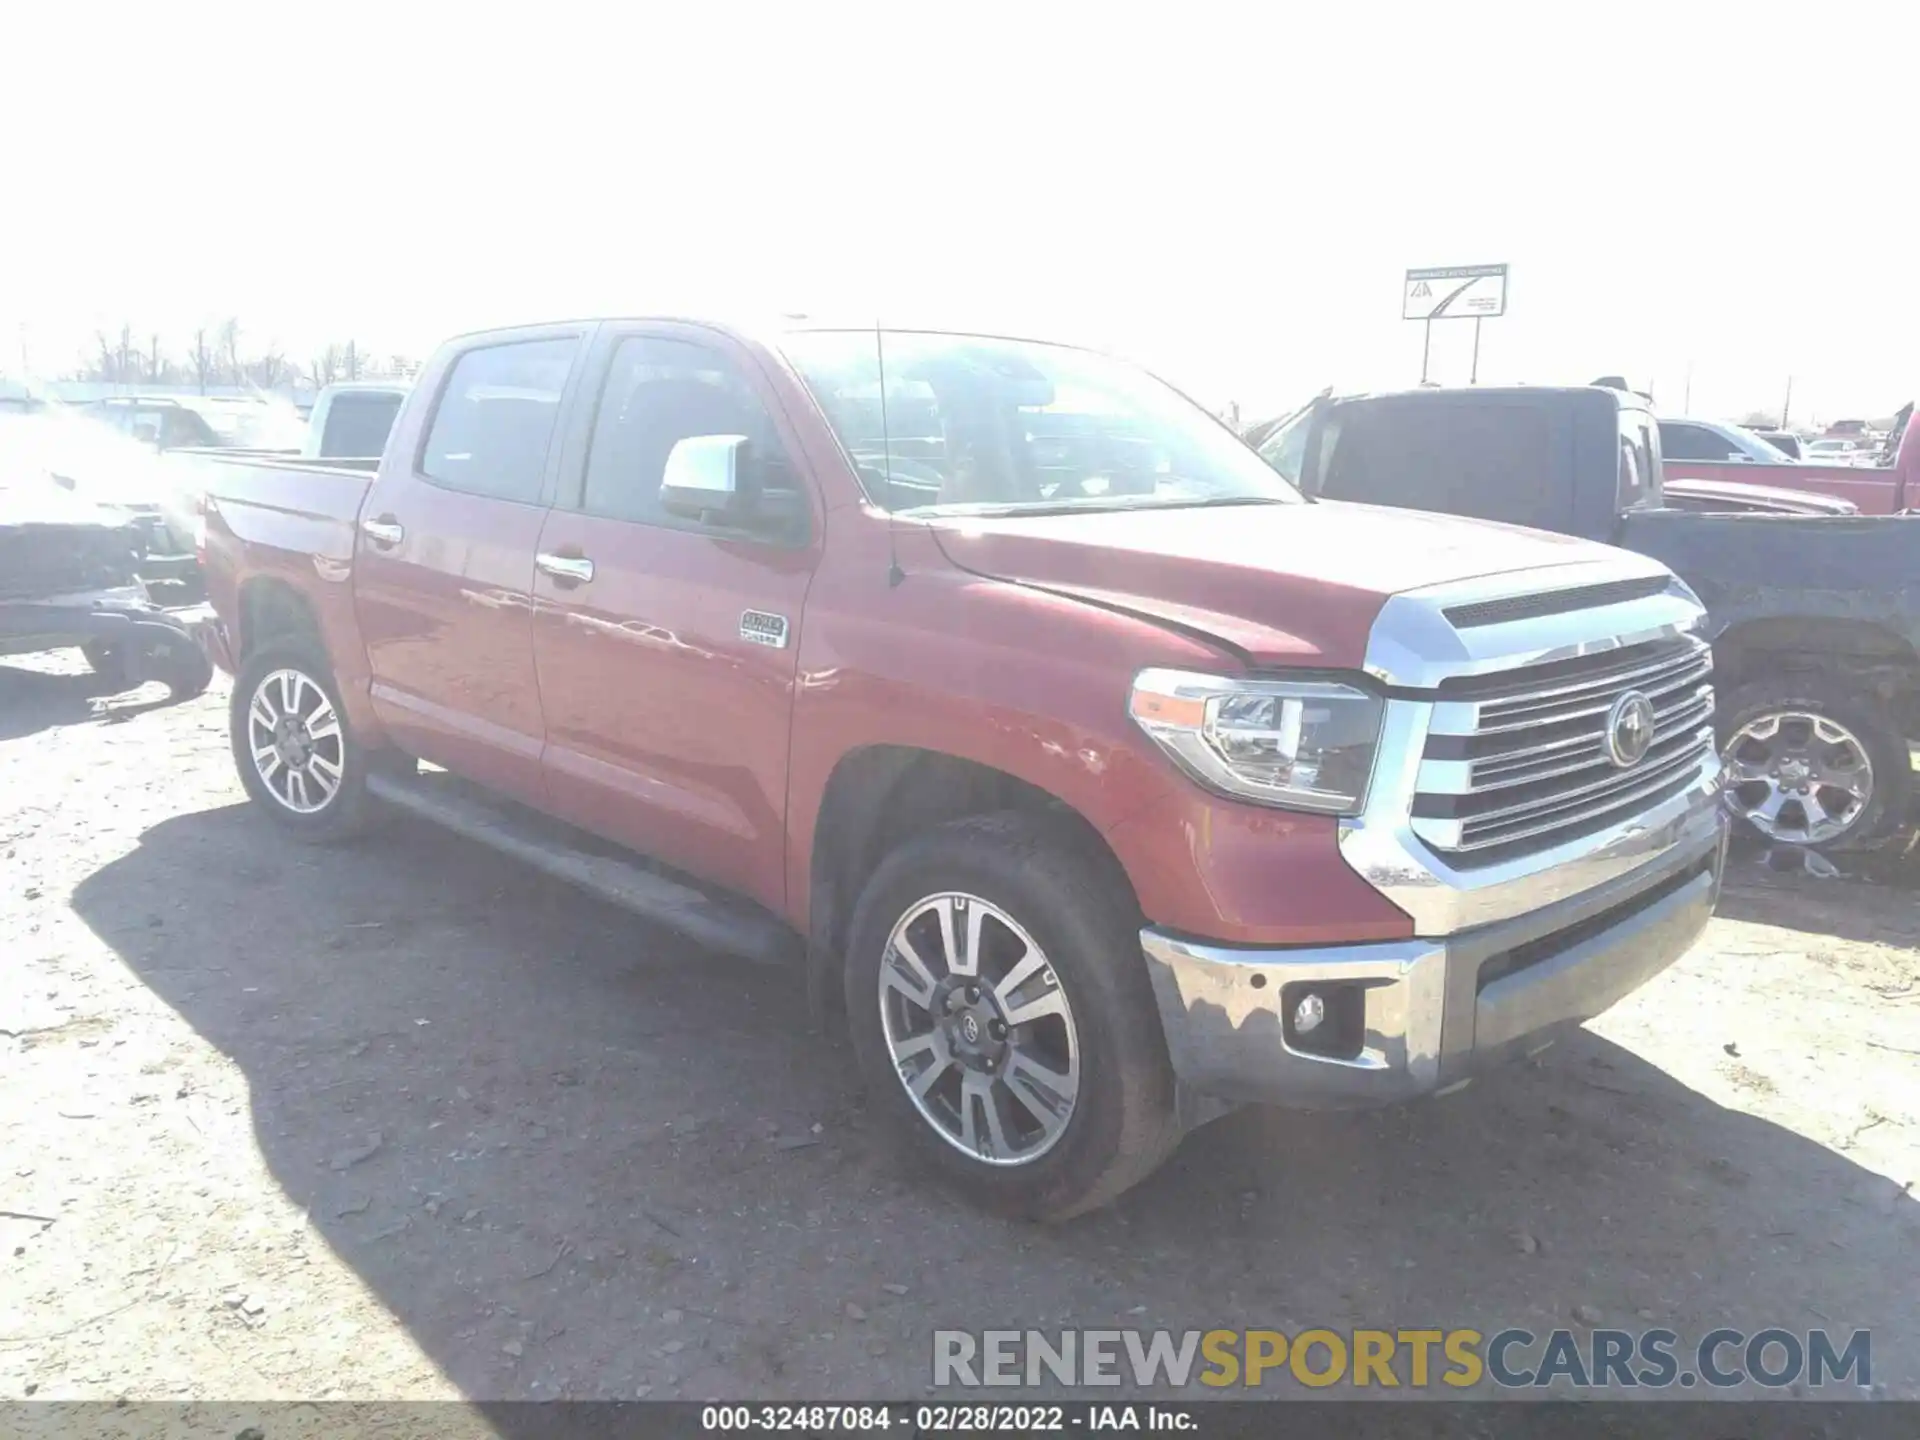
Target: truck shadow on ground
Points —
{"points": [[574, 1156], [1874, 901], [36, 700]]}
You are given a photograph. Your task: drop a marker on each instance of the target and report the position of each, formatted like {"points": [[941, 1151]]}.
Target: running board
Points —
{"points": [[737, 927]]}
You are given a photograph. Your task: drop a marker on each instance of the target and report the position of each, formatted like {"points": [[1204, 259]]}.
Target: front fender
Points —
{"points": [[1034, 684]]}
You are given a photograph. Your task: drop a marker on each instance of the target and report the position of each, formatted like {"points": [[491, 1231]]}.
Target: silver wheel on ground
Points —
{"points": [[979, 1029], [294, 736], [1799, 778]]}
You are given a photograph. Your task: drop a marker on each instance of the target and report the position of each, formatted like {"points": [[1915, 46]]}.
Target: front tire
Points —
{"points": [[1003, 1018], [295, 750], [1809, 760]]}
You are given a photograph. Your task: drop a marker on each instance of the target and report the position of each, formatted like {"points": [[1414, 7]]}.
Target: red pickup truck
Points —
{"points": [[1887, 488], [1095, 781]]}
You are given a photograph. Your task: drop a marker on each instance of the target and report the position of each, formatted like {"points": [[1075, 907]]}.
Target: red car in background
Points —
{"points": [[1891, 486]]}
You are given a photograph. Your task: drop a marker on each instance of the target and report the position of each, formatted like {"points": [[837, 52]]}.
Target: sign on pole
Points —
{"points": [[1455, 292]]}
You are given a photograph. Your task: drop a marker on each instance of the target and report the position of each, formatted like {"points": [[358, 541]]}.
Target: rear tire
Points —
{"points": [[1815, 722], [291, 682], [1023, 884]]}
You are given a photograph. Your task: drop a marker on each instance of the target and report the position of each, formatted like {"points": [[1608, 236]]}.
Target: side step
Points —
{"points": [[737, 927]]}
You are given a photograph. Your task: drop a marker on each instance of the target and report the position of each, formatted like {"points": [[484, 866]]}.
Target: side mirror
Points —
{"points": [[718, 481], [702, 479]]}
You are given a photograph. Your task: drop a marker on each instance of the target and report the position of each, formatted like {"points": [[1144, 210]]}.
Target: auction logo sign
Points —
{"points": [[1459, 1359]]}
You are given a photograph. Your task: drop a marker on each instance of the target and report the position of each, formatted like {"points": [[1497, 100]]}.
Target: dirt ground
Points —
{"points": [[404, 1120]]}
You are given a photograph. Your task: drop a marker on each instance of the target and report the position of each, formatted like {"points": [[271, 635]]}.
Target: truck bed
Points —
{"points": [[1876, 490], [282, 501], [1864, 567]]}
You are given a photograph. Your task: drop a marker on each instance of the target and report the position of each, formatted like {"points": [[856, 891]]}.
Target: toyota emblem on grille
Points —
{"points": [[1629, 729]]}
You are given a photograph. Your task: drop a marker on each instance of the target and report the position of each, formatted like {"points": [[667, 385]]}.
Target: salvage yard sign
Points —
{"points": [[1453, 292]]}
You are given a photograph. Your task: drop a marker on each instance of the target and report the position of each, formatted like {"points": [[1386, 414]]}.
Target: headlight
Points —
{"points": [[1297, 744]]}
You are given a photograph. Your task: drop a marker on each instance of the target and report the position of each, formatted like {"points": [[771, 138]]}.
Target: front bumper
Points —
{"points": [[1429, 1012]]}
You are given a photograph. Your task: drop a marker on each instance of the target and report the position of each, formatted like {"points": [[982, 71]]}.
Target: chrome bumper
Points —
{"points": [[1435, 1010]]}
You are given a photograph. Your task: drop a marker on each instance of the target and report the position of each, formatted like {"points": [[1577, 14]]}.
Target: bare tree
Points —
{"points": [[230, 350], [116, 361], [323, 369], [101, 367], [1760, 420], [203, 360], [269, 369]]}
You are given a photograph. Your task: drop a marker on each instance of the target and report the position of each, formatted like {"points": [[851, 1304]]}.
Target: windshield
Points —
{"points": [[983, 425], [1285, 447], [1761, 448]]}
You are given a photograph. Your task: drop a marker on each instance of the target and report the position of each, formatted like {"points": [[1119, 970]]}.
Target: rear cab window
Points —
{"points": [[357, 423], [1486, 458], [496, 416]]}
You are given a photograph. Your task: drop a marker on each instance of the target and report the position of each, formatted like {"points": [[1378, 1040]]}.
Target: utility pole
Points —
{"points": [[1686, 402], [1786, 404]]}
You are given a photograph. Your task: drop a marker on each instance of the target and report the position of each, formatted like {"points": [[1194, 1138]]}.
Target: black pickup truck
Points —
{"points": [[1815, 619]]}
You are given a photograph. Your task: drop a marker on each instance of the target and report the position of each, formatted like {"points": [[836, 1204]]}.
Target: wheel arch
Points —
{"points": [[878, 796], [272, 610], [1875, 657]]}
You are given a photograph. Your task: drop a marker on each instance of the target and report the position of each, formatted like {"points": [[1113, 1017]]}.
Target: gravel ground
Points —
{"points": [[404, 1120]]}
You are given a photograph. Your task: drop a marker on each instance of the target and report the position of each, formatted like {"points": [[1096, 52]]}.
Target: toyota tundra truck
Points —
{"points": [[1091, 779]]}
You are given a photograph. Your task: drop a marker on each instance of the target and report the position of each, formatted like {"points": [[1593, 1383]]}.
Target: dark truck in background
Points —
{"points": [[1093, 780], [1815, 619]]}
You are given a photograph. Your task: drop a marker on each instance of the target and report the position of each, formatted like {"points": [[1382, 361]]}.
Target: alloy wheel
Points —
{"points": [[1797, 777], [294, 735], [979, 1029]]}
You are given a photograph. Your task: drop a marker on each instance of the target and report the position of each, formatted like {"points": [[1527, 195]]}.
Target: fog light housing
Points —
{"points": [[1326, 1019], [1308, 1014]]}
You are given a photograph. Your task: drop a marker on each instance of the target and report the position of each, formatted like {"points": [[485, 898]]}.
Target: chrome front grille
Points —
{"points": [[1518, 761]]}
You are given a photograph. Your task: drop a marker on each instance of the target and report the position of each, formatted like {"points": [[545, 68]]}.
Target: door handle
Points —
{"points": [[386, 532], [568, 570]]}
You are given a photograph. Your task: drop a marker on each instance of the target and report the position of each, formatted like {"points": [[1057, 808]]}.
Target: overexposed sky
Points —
{"points": [[1229, 193]]}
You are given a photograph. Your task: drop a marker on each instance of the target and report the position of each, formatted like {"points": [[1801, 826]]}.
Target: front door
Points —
{"points": [[444, 563], [665, 649]]}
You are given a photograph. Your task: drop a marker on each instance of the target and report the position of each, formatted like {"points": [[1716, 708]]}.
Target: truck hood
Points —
{"points": [[1279, 584]]}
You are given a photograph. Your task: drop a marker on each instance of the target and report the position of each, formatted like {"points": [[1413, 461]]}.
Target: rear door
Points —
{"points": [[666, 648], [443, 569]]}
